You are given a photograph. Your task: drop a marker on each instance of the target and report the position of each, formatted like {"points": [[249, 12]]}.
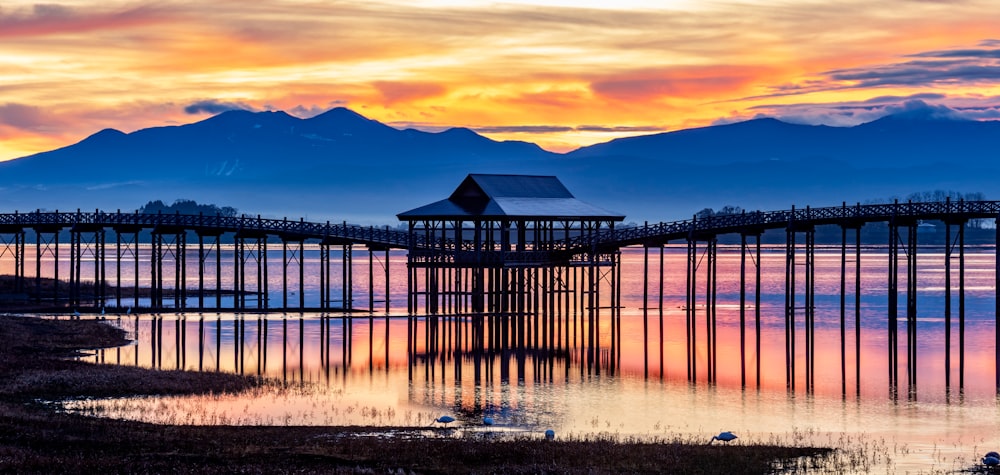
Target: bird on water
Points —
{"points": [[724, 436], [992, 459]]}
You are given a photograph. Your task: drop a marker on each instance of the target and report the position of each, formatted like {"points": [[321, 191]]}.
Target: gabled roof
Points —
{"points": [[511, 197]]}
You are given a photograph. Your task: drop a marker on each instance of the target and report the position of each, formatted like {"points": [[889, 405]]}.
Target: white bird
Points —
{"points": [[724, 436], [550, 434], [128, 311], [76, 313]]}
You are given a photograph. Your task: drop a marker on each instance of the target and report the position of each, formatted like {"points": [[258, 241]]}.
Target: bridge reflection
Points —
{"points": [[297, 348]]}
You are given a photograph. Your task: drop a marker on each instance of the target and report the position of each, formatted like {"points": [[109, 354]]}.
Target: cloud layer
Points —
{"points": [[559, 75]]}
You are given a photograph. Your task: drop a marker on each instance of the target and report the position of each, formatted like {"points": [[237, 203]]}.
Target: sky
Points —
{"points": [[559, 73]]}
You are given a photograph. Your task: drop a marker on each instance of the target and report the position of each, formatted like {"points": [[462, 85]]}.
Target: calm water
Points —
{"points": [[360, 371]]}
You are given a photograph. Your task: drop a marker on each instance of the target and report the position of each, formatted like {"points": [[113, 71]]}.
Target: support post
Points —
{"points": [[843, 308], [743, 310], [948, 247], [645, 310]]}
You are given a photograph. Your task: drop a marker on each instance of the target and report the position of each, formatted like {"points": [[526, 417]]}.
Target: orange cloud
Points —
{"points": [[524, 71], [51, 19], [395, 91], [681, 82], [23, 117]]}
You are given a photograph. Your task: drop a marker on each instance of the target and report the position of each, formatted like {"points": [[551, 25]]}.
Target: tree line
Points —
{"points": [[186, 207]]}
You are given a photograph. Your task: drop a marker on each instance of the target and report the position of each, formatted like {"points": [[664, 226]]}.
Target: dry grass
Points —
{"points": [[35, 438]]}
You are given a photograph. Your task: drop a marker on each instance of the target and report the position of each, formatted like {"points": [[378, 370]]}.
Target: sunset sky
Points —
{"points": [[559, 73]]}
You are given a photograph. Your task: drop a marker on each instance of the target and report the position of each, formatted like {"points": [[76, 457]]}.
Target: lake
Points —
{"points": [[371, 370]]}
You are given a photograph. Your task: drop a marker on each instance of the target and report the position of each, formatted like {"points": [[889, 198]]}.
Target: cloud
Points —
{"points": [[52, 19], [306, 112], [850, 113], [555, 129], [925, 96], [945, 68], [522, 129], [919, 109], [684, 82], [921, 73], [619, 128], [397, 91], [212, 106], [484, 64], [24, 117], [531, 129], [107, 186], [960, 53]]}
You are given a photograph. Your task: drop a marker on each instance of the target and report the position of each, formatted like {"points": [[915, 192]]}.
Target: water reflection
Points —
{"points": [[311, 348], [621, 372]]}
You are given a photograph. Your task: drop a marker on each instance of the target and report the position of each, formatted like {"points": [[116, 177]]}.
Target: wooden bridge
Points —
{"points": [[555, 266], [168, 236], [580, 244]]}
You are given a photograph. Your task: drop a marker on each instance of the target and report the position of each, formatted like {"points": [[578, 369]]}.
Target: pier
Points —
{"points": [[519, 259]]}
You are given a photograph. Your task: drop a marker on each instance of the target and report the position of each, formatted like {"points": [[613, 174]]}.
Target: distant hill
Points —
{"points": [[341, 165], [338, 164], [892, 141], [767, 163]]}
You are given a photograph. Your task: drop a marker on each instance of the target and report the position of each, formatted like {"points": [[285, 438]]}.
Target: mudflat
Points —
{"points": [[36, 368]]}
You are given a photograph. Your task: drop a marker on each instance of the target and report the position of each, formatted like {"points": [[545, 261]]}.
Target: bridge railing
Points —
{"points": [[217, 223], [753, 222]]}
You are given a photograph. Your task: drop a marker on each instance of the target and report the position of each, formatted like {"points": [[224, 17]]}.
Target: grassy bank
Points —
{"points": [[35, 438]]}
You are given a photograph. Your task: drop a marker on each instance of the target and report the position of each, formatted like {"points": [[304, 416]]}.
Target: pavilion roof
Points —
{"points": [[482, 196]]}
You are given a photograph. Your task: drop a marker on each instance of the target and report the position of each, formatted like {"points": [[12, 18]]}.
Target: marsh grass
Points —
{"points": [[35, 437]]}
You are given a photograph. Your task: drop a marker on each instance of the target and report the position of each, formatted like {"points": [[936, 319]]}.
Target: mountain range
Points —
{"points": [[340, 165]]}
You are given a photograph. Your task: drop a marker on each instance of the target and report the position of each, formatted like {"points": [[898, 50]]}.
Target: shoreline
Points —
{"points": [[37, 437], [38, 294]]}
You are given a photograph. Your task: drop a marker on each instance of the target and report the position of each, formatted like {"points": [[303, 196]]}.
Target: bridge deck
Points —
{"points": [[749, 223]]}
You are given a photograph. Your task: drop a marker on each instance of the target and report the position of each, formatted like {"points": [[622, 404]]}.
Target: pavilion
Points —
{"points": [[499, 236]]}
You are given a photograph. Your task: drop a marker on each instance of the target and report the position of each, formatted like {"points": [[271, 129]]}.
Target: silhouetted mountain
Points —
{"points": [[892, 141], [266, 160], [341, 165]]}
